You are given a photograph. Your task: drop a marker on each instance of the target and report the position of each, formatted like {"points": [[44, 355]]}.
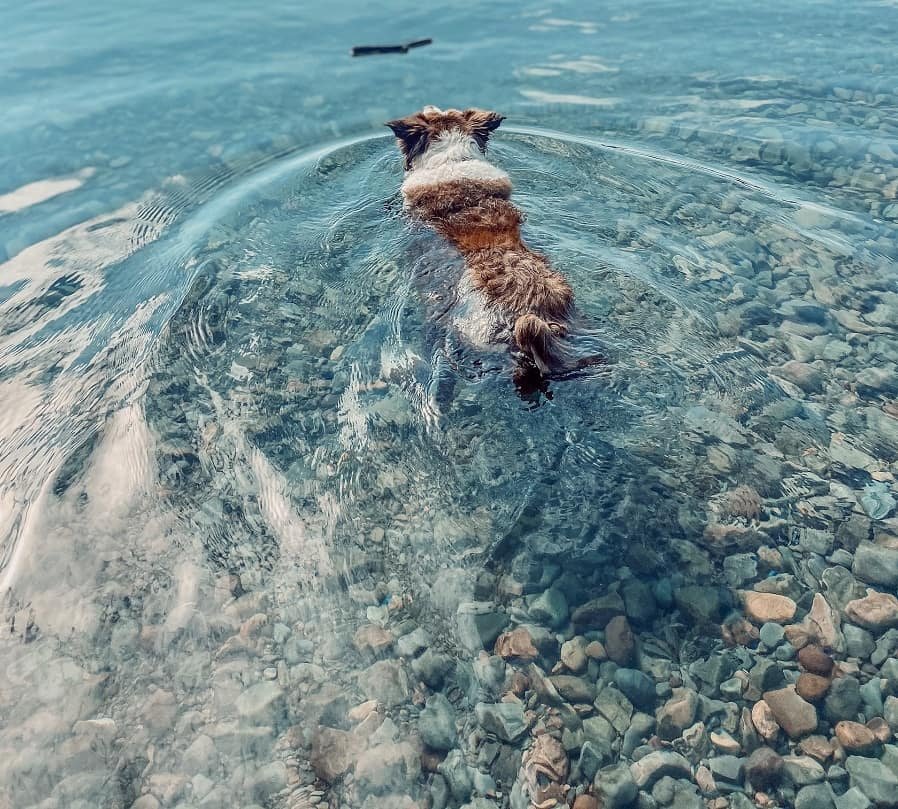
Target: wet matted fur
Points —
{"points": [[450, 186]]}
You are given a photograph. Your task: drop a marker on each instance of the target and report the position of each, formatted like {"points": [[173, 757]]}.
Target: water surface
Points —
{"points": [[241, 444]]}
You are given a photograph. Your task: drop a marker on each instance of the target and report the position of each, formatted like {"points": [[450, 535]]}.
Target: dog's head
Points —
{"points": [[420, 131]]}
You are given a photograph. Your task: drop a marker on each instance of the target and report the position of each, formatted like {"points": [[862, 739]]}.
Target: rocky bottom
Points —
{"points": [[309, 610], [774, 691], [757, 674]]}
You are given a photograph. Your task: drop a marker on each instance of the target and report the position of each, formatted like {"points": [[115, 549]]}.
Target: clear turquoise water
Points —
{"points": [[223, 369]]}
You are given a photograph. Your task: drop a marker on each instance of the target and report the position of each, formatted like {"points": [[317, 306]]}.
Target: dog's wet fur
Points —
{"points": [[451, 187]]}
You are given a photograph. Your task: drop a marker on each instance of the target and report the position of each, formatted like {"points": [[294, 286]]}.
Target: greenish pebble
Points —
{"points": [[550, 607], [785, 652], [853, 799], [815, 796], [732, 688], [772, 634], [874, 779]]}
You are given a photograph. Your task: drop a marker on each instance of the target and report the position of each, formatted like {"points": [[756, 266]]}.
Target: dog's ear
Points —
{"points": [[411, 134], [481, 123]]}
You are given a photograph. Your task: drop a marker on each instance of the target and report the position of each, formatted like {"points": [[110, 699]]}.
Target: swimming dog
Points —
{"points": [[451, 187]]}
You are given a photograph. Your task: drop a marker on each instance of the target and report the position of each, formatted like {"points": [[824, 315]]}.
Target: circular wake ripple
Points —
{"points": [[324, 295], [606, 222], [670, 260], [319, 425]]}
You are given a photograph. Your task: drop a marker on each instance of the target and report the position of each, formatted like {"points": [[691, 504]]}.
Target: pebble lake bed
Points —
{"points": [[273, 536]]}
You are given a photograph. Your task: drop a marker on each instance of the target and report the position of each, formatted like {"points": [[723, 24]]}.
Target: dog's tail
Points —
{"points": [[541, 341]]}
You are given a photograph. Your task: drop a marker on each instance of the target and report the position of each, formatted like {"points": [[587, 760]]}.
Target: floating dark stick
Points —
{"points": [[370, 50]]}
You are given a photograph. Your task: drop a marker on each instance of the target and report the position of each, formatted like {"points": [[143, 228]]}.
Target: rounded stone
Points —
{"points": [[784, 652], [387, 766], [803, 770], [811, 687], [504, 719], [772, 634], [387, 682], [262, 704], [732, 688], [875, 564], [813, 659], [855, 737], [649, 769], [636, 686], [677, 714], [764, 769], [574, 689], [333, 752], [619, 642], [768, 607], [725, 743], [616, 787], [517, 644]]}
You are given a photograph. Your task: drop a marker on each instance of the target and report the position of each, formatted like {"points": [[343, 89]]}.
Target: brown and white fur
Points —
{"points": [[452, 188]]}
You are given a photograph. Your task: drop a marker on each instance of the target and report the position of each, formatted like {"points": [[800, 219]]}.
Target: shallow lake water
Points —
{"points": [[273, 534]]}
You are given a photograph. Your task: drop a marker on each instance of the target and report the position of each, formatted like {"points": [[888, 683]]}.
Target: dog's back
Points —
{"points": [[453, 189]]}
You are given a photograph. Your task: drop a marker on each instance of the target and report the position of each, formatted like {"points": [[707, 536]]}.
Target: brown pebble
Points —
{"points": [[619, 641], [817, 747], [361, 712], [854, 736], [431, 760], [811, 687], [876, 612], [596, 651], [763, 720], [585, 802], [764, 607], [252, 627], [815, 660], [705, 780], [740, 632], [797, 635], [520, 682], [764, 768], [880, 729], [516, 644], [770, 557], [792, 712]]}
